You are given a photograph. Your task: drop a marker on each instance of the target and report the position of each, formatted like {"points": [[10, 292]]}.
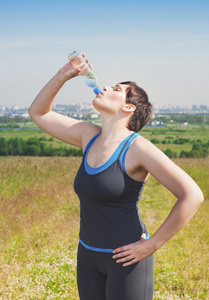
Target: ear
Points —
{"points": [[129, 108]]}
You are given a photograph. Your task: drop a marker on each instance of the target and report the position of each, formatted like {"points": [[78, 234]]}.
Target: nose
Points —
{"points": [[106, 88]]}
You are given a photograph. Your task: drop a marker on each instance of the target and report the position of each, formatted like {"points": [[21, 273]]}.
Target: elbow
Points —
{"points": [[194, 197], [198, 196], [30, 112], [201, 196]]}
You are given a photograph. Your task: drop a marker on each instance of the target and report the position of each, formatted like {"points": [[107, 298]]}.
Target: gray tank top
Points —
{"points": [[109, 215]]}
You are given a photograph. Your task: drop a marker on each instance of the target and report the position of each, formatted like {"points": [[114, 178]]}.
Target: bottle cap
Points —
{"points": [[97, 90]]}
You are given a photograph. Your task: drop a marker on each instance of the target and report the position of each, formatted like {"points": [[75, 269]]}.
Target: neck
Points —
{"points": [[114, 128]]}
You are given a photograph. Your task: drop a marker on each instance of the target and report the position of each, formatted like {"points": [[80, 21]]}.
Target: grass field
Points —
{"points": [[40, 222]]}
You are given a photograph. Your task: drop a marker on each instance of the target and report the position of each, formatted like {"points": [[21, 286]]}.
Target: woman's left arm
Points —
{"points": [[189, 197]]}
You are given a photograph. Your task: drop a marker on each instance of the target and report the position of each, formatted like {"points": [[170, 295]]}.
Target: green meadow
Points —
{"points": [[39, 224], [170, 139]]}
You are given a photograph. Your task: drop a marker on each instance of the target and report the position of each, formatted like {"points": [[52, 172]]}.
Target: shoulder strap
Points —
{"points": [[92, 140], [124, 147], [124, 151]]}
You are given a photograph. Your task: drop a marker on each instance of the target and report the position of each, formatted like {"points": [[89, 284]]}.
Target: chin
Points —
{"points": [[95, 103]]}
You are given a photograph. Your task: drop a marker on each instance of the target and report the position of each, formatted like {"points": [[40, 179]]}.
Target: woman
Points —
{"points": [[115, 254]]}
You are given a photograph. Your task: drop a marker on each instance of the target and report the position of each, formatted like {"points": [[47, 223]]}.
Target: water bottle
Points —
{"points": [[76, 58]]}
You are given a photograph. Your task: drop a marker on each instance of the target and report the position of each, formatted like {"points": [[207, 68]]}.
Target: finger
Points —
{"points": [[143, 236], [121, 254], [131, 262], [80, 69], [125, 259], [90, 66], [122, 249]]}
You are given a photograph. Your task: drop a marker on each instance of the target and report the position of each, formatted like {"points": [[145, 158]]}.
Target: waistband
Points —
{"points": [[102, 249]]}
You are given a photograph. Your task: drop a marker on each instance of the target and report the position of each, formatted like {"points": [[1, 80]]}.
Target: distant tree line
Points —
{"points": [[179, 141], [199, 150], [12, 122], [182, 118], [16, 119], [38, 147], [34, 147]]}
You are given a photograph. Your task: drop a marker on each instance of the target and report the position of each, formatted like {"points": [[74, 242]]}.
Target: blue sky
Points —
{"points": [[162, 45]]}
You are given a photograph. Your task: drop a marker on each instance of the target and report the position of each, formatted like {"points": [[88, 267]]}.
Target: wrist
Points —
{"points": [[156, 241], [62, 77]]}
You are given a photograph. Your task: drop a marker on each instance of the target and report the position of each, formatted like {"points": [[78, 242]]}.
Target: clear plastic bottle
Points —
{"points": [[76, 58]]}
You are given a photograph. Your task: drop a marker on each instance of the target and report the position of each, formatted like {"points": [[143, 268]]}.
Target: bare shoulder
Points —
{"points": [[149, 156], [142, 147], [145, 147]]}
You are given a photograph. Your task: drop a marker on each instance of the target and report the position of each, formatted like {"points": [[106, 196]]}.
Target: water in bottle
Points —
{"points": [[76, 58]]}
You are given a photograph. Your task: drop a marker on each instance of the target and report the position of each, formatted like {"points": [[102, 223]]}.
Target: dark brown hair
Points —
{"points": [[137, 96]]}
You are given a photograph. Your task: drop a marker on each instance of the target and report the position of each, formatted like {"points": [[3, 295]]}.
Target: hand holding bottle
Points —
{"points": [[70, 70], [80, 63]]}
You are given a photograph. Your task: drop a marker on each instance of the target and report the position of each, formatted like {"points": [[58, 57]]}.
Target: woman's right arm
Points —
{"points": [[67, 129]]}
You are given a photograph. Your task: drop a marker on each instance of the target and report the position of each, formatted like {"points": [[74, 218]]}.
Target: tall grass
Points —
{"points": [[39, 232], [38, 227], [181, 265]]}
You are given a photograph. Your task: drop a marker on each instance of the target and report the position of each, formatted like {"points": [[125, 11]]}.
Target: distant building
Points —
{"points": [[94, 116], [80, 110], [203, 108]]}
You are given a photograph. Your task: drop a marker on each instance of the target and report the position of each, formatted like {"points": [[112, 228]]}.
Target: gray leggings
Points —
{"points": [[99, 277]]}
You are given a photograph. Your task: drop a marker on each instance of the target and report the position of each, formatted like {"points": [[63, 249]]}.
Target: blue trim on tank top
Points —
{"points": [[122, 158], [111, 160], [94, 137], [102, 249]]}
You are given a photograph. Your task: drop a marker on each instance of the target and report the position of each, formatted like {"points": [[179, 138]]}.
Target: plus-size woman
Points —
{"points": [[115, 253]]}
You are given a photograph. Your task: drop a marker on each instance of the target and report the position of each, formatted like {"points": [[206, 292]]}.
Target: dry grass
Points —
{"points": [[181, 265], [39, 217]]}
